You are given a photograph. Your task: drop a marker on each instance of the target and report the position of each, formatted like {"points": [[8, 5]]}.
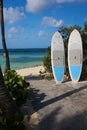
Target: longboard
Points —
{"points": [[57, 57], [75, 55]]}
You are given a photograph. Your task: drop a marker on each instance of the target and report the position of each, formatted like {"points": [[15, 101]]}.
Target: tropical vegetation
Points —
{"points": [[47, 60], [13, 95], [16, 85], [13, 91]]}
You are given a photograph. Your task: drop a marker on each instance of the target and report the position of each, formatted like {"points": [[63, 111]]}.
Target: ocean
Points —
{"points": [[23, 58]]}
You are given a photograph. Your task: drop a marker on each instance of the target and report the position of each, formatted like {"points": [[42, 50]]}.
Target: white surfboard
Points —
{"points": [[57, 57], [75, 55]]}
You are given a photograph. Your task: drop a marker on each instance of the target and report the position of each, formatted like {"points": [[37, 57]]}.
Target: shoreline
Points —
{"points": [[32, 71]]}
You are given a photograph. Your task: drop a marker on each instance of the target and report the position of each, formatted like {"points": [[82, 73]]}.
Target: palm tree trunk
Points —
{"points": [[7, 66]]}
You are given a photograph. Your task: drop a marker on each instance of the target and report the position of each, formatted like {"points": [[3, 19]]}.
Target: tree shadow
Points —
{"points": [[38, 97], [47, 123], [33, 77], [75, 122]]}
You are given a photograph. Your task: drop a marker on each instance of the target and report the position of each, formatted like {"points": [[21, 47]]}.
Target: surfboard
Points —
{"points": [[75, 55], [57, 57]]}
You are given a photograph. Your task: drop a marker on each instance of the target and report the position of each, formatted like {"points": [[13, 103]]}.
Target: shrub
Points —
{"points": [[47, 60], [16, 85], [84, 70], [12, 122], [15, 121]]}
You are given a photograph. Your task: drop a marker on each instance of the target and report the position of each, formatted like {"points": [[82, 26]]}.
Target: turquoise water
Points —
{"points": [[59, 72], [23, 58]]}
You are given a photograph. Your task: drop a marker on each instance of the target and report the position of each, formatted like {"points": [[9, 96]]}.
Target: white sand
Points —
{"points": [[30, 71]]}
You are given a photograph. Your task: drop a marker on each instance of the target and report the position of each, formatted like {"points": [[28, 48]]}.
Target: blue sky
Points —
{"points": [[31, 23]]}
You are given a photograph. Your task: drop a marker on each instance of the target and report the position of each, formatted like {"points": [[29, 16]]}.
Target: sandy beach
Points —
{"points": [[32, 71], [54, 106]]}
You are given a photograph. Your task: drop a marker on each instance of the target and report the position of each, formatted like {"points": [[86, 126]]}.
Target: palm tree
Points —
{"points": [[5, 101], [7, 66]]}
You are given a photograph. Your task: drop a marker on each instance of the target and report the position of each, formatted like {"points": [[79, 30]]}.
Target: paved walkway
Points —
{"points": [[59, 107]]}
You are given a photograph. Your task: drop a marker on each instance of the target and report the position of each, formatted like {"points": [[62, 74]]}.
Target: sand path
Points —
{"points": [[57, 107], [60, 107]]}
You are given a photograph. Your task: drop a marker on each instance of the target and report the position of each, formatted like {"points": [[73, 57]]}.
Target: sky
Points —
{"points": [[31, 23]]}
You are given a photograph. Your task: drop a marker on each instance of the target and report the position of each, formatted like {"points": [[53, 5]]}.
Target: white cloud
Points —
{"points": [[41, 33], [12, 15], [69, 1], [12, 32], [51, 22], [37, 5], [64, 1]]}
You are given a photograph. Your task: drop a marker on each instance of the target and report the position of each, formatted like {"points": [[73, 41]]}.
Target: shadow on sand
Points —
{"points": [[33, 77], [75, 122], [37, 97]]}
